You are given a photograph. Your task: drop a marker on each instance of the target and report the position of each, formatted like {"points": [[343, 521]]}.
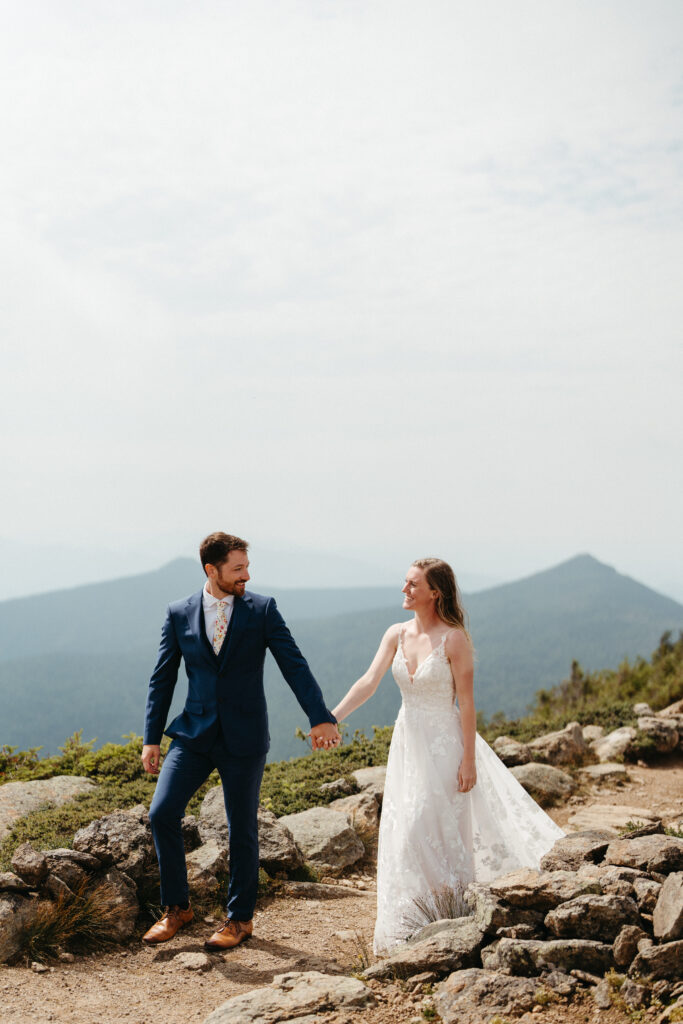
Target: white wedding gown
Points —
{"points": [[433, 838]]}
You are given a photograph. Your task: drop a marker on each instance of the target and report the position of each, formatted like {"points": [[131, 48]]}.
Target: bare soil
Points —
{"points": [[140, 985]]}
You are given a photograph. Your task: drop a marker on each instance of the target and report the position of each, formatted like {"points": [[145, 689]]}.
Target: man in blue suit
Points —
{"points": [[222, 634]]}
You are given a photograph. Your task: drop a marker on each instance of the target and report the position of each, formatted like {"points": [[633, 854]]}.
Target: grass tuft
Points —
{"points": [[83, 922]]}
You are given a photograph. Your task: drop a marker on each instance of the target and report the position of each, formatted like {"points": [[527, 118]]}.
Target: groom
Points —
{"points": [[222, 634]]}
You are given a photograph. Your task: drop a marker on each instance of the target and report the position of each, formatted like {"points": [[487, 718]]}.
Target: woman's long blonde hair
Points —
{"points": [[440, 577]]}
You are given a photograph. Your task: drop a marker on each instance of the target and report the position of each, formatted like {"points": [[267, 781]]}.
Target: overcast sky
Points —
{"points": [[384, 278]]}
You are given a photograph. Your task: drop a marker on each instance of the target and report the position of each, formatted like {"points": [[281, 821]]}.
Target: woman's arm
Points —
{"points": [[459, 651], [370, 680]]}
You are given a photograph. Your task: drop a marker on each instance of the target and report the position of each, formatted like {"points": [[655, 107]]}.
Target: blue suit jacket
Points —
{"points": [[225, 691]]}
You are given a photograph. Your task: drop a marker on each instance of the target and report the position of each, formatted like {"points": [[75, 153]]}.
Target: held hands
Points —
{"points": [[467, 775], [325, 736], [151, 756]]}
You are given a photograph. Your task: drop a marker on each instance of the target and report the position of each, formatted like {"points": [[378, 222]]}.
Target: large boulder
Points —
{"points": [[16, 915], [594, 916], [119, 838], [567, 746], [213, 824], [123, 903], [326, 838], [471, 995], [660, 853], [17, 799], [362, 808], [570, 852], [292, 996], [546, 784], [591, 733], [663, 732], [615, 744], [531, 956], [667, 919], [372, 780], [30, 864], [511, 751], [490, 912], [654, 962], [449, 949], [277, 849], [626, 944], [541, 890], [203, 866]]}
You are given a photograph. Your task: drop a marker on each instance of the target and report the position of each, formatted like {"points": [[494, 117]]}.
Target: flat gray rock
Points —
{"points": [[608, 772], [362, 808], [448, 950], [663, 732], [659, 853], [615, 744], [490, 911], [545, 783], [30, 864], [203, 865], [667, 919], [566, 746], [325, 837], [320, 891], [277, 849], [472, 995], [119, 838], [593, 916], [541, 890], [531, 956], [18, 799], [610, 816], [296, 995], [192, 961], [570, 852], [511, 751], [656, 962], [372, 779]]}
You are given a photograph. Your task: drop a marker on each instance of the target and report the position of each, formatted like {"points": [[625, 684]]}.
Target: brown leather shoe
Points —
{"points": [[229, 935], [165, 929]]}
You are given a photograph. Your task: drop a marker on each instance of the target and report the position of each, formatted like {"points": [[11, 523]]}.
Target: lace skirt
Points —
{"points": [[435, 840]]}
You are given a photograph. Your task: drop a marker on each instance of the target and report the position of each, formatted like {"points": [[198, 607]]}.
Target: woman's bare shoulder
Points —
{"points": [[458, 645]]}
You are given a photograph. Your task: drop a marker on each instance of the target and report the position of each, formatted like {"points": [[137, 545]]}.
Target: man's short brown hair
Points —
{"points": [[215, 548]]}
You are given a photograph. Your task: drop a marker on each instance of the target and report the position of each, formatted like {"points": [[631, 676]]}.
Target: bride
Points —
{"points": [[452, 812]]}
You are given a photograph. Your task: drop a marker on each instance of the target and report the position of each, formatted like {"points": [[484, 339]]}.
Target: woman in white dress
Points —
{"points": [[452, 812]]}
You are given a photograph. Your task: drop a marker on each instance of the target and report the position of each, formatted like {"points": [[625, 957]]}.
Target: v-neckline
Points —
{"points": [[421, 663]]}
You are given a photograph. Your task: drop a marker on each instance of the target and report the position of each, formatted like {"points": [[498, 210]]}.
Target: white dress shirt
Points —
{"points": [[210, 606]]}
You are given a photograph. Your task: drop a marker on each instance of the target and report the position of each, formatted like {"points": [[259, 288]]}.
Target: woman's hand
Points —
{"points": [[467, 775]]}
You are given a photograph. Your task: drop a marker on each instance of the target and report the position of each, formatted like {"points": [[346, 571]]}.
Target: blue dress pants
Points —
{"points": [[182, 773]]}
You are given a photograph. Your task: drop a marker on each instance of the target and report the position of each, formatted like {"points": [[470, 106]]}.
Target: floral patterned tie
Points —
{"points": [[221, 627]]}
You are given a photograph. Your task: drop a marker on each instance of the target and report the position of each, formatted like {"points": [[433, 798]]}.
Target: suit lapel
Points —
{"points": [[195, 616], [238, 620]]}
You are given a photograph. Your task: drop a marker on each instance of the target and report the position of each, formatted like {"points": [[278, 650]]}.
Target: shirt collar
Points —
{"points": [[208, 600]]}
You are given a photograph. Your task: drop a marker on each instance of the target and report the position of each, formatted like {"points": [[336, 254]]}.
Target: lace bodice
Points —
{"points": [[431, 688]]}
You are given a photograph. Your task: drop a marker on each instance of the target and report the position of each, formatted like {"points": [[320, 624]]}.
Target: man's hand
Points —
{"points": [[151, 755], [325, 736]]}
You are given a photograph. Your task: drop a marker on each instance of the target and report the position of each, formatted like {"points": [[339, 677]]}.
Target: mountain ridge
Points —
{"points": [[89, 665]]}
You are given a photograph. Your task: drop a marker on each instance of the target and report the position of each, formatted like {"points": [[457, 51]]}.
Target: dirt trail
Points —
{"points": [[138, 985]]}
